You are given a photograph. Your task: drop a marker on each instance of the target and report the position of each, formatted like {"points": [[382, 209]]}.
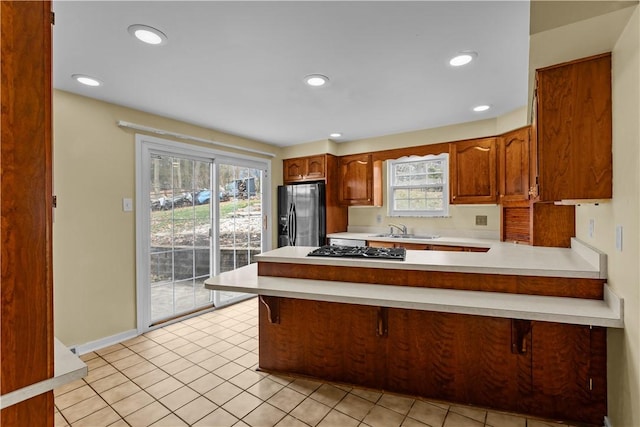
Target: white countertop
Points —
{"points": [[607, 312], [67, 368], [579, 261]]}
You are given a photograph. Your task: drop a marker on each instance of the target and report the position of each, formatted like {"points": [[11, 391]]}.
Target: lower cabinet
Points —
{"points": [[550, 370], [424, 246]]}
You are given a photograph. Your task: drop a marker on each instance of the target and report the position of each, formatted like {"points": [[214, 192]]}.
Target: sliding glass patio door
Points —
{"points": [[240, 219], [199, 213]]}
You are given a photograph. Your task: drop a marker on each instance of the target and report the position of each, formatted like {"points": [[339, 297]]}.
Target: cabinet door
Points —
{"points": [[473, 171], [356, 180], [293, 169], [514, 165], [315, 167], [376, 244], [574, 130], [569, 372]]}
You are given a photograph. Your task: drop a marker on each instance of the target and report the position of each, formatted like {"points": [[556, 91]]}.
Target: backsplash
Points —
{"points": [[461, 222]]}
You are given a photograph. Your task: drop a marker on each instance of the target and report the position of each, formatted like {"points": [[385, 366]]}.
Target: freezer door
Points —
{"points": [[285, 207]]}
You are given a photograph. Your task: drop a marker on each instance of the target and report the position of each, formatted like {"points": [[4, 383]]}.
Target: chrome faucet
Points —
{"points": [[401, 227]]}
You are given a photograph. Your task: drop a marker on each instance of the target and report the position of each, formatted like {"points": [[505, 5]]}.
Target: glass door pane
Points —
{"points": [[180, 235], [239, 220]]}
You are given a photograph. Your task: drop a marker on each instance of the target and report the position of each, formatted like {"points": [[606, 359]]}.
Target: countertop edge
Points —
{"points": [[606, 313], [67, 368]]}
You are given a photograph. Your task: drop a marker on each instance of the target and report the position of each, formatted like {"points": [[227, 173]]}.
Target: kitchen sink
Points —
{"points": [[406, 236]]}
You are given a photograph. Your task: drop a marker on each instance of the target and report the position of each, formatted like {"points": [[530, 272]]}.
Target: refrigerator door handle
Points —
{"points": [[294, 225], [291, 221]]}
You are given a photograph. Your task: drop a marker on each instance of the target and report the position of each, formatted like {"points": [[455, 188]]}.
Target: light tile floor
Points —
{"points": [[202, 372]]}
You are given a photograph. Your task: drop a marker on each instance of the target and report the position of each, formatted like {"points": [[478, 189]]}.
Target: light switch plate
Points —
{"points": [[592, 227], [619, 238], [127, 205]]}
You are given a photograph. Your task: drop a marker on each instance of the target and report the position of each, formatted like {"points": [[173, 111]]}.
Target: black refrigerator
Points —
{"points": [[301, 215]]}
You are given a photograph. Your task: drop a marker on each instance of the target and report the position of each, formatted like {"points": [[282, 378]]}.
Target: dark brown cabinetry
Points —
{"points": [[360, 181], [551, 370], [424, 246], [26, 334], [573, 127], [321, 167], [513, 165], [473, 171], [312, 168]]}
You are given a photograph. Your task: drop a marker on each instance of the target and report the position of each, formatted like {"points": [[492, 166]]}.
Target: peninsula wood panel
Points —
{"points": [[529, 285], [574, 129], [461, 358], [325, 340], [536, 368], [26, 332]]}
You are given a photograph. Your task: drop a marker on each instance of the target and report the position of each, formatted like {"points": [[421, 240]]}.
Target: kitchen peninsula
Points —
{"points": [[516, 328]]}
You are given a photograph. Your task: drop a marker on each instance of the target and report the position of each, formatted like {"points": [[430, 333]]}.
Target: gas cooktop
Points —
{"points": [[336, 251]]}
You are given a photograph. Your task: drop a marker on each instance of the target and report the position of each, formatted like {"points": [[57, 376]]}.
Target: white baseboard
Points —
{"points": [[105, 342], [607, 423]]}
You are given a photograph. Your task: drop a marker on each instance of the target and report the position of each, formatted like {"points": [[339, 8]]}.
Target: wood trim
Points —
{"points": [[26, 197], [420, 150], [575, 61], [528, 285], [37, 411]]}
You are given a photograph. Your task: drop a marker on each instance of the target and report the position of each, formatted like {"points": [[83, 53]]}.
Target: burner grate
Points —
{"points": [[337, 251]]}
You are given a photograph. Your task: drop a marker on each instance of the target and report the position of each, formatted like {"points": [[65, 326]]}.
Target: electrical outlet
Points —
{"points": [[378, 219], [481, 220], [592, 227]]}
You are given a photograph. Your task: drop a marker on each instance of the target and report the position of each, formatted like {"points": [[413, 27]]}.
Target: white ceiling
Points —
{"points": [[238, 66]]}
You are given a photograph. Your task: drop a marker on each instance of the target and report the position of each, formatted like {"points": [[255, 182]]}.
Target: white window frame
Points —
{"points": [[391, 186], [145, 144]]}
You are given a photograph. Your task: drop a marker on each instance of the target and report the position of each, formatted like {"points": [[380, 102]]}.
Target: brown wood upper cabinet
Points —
{"points": [[311, 168], [473, 171], [360, 181], [513, 165], [573, 127]]}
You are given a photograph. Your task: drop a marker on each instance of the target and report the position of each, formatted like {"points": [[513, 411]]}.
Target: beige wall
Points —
{"points": [[94, 240], [624, 210]]}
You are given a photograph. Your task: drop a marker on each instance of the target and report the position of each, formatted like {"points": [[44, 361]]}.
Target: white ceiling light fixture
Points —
{"points": [[335, 135], [463, 58], [86, 80], [147, 34], [481, 108], [316, 80]]}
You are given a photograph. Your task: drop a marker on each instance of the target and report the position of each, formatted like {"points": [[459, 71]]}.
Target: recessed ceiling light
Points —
{"points": [[86, 80], [335, 135], [481, 108], [316, 80], [462, 59], [147, 34]]}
